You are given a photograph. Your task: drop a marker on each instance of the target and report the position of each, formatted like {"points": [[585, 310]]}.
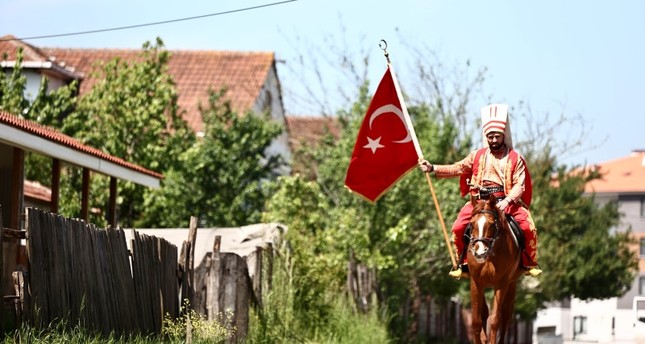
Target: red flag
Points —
{"points": [[386, 147]]}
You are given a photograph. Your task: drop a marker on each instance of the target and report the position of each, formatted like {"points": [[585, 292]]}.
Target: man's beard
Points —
{"points": [[496, 146]]}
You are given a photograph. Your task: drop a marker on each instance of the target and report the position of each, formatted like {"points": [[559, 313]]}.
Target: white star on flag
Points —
{"points": [[373, 144]]}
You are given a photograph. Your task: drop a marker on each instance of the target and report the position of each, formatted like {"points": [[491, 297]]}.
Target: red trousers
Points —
{"points": [[521, 215]]}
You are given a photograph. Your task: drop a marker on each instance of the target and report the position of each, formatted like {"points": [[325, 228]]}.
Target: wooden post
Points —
{"points": [[111, 216], [257, 277], [190, 266], [214, 275], [17, 188], [85, 195], [10, 244], [269, 267], [2, 329], [53, 204]]}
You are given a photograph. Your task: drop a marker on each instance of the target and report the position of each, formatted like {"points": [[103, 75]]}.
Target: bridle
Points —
{"points": [[489, 242]]}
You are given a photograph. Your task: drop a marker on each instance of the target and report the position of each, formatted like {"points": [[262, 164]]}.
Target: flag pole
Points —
{"points": [[443, 225], [417, 147]]}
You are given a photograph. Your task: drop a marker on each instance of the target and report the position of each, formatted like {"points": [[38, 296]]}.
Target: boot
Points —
{"points": [[533, 271], [460, 272]]}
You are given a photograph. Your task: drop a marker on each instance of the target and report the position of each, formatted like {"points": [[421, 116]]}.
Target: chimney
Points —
{"points": [[639, 152]]}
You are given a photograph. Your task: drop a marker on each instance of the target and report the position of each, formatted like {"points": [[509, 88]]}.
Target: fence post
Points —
{"points": [[212, 298], [2, 329], [257, 277], [192, 236]]}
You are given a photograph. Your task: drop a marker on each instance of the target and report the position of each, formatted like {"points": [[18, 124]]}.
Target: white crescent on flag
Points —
{"points": [[392, 108]]}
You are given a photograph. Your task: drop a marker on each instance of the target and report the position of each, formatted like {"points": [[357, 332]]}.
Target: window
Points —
{"points": [[579, 325], [642, 249], [642, 206]]}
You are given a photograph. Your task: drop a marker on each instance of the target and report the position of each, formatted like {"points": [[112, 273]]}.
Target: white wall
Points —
{"points": [[271, 97]]}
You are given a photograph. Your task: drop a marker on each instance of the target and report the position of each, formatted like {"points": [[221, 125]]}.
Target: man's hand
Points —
{"points": [[426, 166], [501, 205]]}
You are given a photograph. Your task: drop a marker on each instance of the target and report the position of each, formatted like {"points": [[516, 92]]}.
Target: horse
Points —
{"points": [[494, 262]]}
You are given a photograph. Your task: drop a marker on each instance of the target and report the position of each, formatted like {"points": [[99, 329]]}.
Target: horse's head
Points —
{"points": [[486, 224]]}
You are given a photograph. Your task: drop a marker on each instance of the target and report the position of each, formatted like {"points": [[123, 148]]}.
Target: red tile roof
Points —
{"points": [[9, 45], [243, 74], [37, 191], [62, 139], [310, 129], [307, 132], [623, 175]]}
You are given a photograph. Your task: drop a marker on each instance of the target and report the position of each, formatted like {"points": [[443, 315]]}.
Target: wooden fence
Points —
{"points": [[80, 274]]}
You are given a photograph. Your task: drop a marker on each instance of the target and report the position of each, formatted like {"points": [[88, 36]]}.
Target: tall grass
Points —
{"points": [[281, 318], [202, 331], [76, 335]]}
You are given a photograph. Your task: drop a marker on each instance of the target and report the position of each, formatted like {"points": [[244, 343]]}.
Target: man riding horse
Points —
{"points": [[501, 170]]}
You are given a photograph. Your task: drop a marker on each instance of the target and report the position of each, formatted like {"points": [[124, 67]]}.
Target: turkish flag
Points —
{"points": [[385, 147]]}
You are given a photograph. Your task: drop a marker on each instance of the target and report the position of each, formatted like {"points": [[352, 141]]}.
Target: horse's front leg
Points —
{"points": [[495, 318], [507, 310], [480, 312]]}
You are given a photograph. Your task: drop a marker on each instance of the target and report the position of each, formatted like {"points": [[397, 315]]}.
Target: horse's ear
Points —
{"points": [[492, 201], [473, 200]]}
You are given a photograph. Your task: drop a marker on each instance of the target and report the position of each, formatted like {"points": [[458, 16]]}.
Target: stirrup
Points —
{"points": [[458, 273], [533, 272]]}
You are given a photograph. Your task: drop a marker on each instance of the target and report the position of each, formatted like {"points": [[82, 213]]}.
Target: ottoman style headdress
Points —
{"points": [[495, 119]]}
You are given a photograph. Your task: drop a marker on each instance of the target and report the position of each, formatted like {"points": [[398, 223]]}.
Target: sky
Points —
{"points": [[581, 58]]}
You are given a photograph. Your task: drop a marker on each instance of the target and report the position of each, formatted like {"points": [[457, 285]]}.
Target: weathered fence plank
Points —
{"points": [[84, 275]]}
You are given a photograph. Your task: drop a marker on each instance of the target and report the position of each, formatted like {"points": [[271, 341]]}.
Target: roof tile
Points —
{"points": [[62, 139], [194, 72], [623, 175]]}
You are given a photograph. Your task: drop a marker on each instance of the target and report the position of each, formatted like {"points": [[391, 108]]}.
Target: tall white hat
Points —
{"points": [[495, 119]]}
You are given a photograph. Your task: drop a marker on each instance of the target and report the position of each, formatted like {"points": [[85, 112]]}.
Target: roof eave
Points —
{"points": [[34, 143], [48, 65]]}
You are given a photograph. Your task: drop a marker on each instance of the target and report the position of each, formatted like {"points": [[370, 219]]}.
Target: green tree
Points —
{"points": [[12, 87], [221, 178], [585, 257], [131, 113], [47, 107]]}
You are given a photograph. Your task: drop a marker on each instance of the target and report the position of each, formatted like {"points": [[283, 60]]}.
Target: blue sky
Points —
{"points": [[581, 58]]}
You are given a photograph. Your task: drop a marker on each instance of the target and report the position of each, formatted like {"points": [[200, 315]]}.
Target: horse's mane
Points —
{"points": [[490, 205]]}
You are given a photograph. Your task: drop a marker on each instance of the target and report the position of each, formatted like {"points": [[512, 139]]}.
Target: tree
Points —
{"points": [[131, 113], [584, 256], [46, 108], [221, 178], [12, 87]]}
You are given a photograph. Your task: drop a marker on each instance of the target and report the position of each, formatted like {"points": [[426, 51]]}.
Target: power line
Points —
{"points": [[149, 24]]}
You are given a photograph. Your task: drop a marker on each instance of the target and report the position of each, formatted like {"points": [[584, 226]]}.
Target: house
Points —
{"points": [[612, 320], [307, 131], [250, 78]]}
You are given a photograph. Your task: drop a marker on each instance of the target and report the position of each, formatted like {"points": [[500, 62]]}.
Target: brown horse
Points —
{"points": [[494, 262]]}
